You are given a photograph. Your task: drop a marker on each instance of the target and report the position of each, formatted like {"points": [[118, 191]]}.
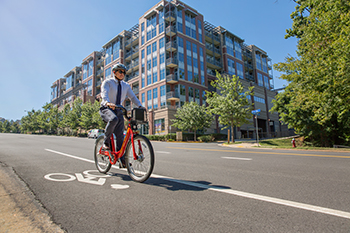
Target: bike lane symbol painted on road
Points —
{"points": [[86, 177]]}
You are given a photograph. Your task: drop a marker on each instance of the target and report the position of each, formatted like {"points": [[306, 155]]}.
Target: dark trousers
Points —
{"points": [[115, 124]]}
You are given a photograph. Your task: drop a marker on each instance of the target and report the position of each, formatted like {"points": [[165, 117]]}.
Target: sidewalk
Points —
{"points": [[19, 211]]}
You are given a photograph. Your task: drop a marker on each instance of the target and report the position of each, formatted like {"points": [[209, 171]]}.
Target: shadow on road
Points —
{"points": [[177, 185]]}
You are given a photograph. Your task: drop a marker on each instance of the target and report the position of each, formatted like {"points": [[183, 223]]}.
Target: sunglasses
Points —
{"points": [[121, 71]]}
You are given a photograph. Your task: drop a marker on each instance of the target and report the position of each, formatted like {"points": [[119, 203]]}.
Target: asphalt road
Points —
{"points": [[194, 188]]}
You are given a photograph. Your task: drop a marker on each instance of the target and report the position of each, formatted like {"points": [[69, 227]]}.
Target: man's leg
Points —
{"points": [[112, 120], [119, 130], [119, 133]]}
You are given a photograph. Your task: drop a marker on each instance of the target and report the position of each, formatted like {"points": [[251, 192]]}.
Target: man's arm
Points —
{"points": [[133, 97]]}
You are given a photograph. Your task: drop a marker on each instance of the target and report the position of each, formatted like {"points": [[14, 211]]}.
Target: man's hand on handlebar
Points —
{"points": [[111, 105]]}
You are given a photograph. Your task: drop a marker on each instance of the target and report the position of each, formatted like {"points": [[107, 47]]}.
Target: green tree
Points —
{"points": [[15, 127], [87, 112], [6, 127], [96, 117], [1, 126], [74, 118], [64, 122], [316, 102], [230, 101], [55, 117], [192, 116]]}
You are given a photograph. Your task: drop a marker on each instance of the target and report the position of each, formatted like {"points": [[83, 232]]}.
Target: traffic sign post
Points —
{"points": [[256, 113]]}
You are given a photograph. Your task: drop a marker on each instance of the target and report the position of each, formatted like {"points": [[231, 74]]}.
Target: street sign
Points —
{"points": [[256, 112]]}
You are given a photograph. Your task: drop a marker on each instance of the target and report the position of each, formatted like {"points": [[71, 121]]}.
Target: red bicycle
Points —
{"points": [[139, 154]]}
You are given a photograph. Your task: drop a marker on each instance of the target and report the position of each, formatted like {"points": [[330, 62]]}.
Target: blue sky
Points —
{"points": [[42, 40]]}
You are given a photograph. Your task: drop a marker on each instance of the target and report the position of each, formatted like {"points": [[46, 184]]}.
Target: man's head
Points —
{"points": [[119, 71]]}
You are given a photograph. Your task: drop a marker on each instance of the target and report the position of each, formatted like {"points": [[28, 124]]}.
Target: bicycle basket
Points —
{"points": [[139, 115]]}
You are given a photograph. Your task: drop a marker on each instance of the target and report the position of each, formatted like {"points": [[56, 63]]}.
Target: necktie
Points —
{"points": [[119, 93]]}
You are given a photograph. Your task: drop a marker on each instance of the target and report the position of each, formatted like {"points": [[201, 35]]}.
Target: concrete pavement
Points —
{"points": [[19, 211]]}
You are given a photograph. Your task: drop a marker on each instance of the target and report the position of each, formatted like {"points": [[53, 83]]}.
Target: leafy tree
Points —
{"points": [[86, 121], [6, 127], [230, 101], [55, 117], [192, 117], [96, 117], [15, 127], [316, 102], [1, 126], [64, 122]]}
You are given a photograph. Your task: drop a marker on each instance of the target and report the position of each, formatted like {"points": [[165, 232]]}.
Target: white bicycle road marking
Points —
{"points": [[236, 158], [294, 204]]}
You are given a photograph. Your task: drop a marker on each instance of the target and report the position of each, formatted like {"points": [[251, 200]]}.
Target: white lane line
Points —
{"points": [[163, 152], [278, 201], [236, 158]]}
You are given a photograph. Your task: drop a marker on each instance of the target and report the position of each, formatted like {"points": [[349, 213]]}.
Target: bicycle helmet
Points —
{"points": [[119, 67]]}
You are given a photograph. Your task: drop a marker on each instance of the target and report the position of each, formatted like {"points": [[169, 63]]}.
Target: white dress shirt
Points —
{"points": [[109, 89]]}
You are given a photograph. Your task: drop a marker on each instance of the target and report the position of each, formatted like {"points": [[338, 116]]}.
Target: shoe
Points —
{"points": [[105, 148], [122, 163]]}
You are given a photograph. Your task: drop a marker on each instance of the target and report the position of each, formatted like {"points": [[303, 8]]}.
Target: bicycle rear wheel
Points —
{"points": [[101, 161], [141, 168]]}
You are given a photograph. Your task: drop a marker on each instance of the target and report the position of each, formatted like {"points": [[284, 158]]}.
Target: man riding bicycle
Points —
{"points": [[113, 92]]}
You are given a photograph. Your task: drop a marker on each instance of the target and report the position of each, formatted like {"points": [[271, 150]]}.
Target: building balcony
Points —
{"points": [[132, 41], [214, 64], [172, 95], [98, 82], [170, 16], [172, 79], [171, 46], [171, 30], [99, 73], [171, 62], [100, 62]]}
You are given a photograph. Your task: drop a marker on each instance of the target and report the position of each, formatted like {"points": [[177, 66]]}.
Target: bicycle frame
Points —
{"points": [[118, 154]]}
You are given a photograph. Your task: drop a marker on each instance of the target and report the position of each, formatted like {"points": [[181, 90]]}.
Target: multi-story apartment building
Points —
{"points": [[172, 55]]}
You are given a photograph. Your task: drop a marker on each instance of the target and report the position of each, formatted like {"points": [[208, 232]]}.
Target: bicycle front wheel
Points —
{"points": [[101, 161], [141, 167]]}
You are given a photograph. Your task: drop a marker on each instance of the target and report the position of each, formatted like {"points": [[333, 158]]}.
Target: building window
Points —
{"points": [[149, 78], [196, 96], [149, 49], [151, 27], [155, 78], [108, 73], [260, 80], [142, 80], [91, 68], [161, 43], [231, 67], [154, 46], [162, 74], [238, 50], [264, 64], [154, 61], [190, 94], [266, 81], [162, 58], [258, 99], [149, 99], [85, 71], [189, 75], [108, 55], [258, 61], [161, 21], [162, 96], [89, 87], [159, 126], [116, 48], [143, 99], [229, 46], [240, 70], [155, 98]]}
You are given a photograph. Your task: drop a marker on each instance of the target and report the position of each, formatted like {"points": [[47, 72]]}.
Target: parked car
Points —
{"points": [[95, 133]]}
